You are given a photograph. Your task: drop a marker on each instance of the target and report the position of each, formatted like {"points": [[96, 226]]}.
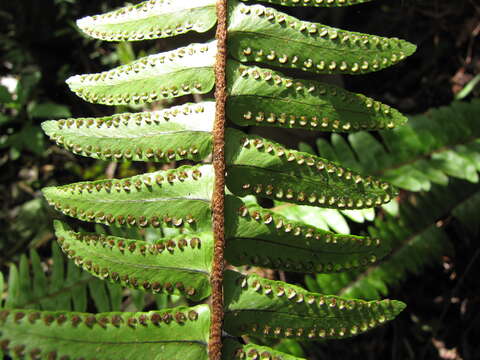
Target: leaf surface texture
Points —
{"points": [[184, 71], [262, 238], [178, 133], [179, 265], [174, 198], [152, 19], [256, 166], [263, 97], [164, 335], [261, 307], [265, 35], [234, 350]]}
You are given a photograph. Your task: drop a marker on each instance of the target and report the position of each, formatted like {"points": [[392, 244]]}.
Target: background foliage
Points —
{"points": [[40, 47]]}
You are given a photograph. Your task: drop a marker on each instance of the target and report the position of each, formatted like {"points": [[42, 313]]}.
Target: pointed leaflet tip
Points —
{"points": [[398, 306], [262, 238], [260, 167], [256, 306], [265, 35], [263, 97]]}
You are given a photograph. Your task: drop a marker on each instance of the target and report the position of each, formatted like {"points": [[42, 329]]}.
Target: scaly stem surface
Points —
{"points": [[218, 201]]}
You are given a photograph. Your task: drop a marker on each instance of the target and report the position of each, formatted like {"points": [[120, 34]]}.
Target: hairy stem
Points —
{"points": [[218, 201]]}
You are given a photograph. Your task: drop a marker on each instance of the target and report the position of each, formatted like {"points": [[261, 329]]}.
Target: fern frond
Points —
{"points": [[262, 238], [317, 3], [175, 198], [179, 265], [415, 238], [29, 287], [234, 350], [324, 218], [264, 97], [265, 35], [153, 19], [177, 333], [178, 133], [257, 166], [181, 199], [184, 71], [431, 148], [257, 306]]}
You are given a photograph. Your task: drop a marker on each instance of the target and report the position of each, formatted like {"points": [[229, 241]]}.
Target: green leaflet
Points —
{"points": [[263, 97], [262, 238], [175, 198], [265, 35], [234, 350], [178, 133], [256, 166], [187, 70], [430, 148], [179, 265], [416, 240], [24, 279], [39, 280], [152, 19], [178, 333], [261, 307], [319, 3]]}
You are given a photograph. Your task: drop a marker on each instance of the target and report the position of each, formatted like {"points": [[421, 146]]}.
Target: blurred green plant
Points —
{"points": [[20, 108]]}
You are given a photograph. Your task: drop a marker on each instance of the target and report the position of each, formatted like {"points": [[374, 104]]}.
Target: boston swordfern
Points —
{"points": [[203, 203]]}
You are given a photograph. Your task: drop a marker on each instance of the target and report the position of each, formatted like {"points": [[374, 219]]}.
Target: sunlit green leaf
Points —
{"points": [[187, 70], [178, 133], [260, 167], [175, 198], [179, 265], [428, 150], [263, 97], [152, 19], [262, 238], [265, 35]]}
